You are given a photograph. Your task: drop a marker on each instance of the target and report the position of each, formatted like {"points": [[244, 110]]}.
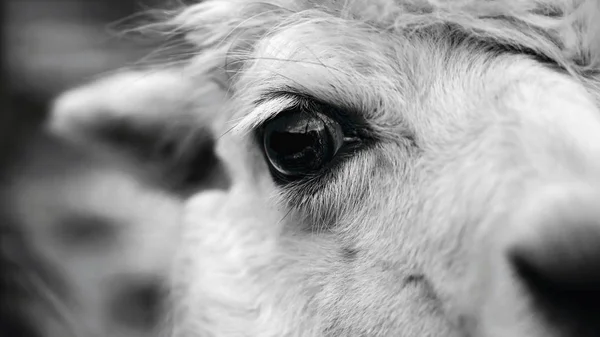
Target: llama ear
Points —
{"points": [[145, 98], [161, 119]]}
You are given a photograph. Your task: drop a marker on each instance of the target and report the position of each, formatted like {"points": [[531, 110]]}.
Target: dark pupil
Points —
{"points": [[298, 144]]}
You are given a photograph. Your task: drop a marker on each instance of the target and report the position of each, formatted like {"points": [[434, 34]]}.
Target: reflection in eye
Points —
{"points": [[299, 143]]}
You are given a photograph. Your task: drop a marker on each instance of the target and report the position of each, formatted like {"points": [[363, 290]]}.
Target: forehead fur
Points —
{"points": [[567, 32]]}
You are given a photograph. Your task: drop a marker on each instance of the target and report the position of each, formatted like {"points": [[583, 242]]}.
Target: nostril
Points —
{"points": [[564, 291], [558, 262], [564, 255], [138, 305], [562, 249]]}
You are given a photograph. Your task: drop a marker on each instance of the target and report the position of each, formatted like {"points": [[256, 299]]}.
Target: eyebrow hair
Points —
{"points": [[273, 101], [266, 107]]}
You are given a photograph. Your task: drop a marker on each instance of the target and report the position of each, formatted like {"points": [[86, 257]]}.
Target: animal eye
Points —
{"points": [[300, 143]]}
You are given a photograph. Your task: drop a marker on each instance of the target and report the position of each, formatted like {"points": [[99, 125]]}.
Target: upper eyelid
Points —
{"points": [[266, 108], [273, 103]]}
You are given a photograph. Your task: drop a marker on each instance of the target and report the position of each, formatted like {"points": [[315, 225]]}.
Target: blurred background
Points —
{"points": [[49, 46], [52, 45]]}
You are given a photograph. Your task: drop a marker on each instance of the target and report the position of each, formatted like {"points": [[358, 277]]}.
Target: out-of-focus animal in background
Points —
{"points": [[343, 168]]}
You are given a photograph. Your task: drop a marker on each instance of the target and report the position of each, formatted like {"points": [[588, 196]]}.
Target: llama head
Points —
{"points": [[395, 167]]}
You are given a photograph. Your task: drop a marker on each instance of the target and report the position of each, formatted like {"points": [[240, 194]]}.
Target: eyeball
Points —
{"points": [[299, 143]]}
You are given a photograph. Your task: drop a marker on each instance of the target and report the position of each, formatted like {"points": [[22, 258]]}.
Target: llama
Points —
{"points": [[377, 168]]}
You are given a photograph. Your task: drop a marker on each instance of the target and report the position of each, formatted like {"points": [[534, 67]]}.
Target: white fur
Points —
{"points": [[466, 138]]}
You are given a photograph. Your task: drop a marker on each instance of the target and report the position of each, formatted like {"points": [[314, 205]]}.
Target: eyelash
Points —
{"points": [[354, 126]]}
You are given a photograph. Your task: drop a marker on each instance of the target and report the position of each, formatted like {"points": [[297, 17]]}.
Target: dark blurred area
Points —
{"points": [[52, 45]]}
